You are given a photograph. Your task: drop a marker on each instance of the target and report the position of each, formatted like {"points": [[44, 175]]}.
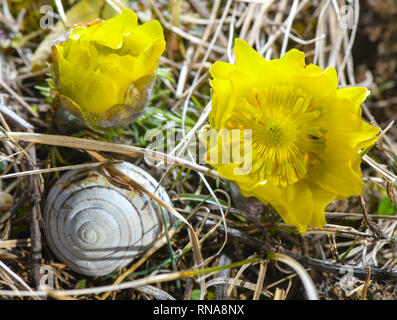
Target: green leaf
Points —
{"points": [[386, 208], [81, 284], [211, 295], [3, 165], [165, 73], [196, 294]]}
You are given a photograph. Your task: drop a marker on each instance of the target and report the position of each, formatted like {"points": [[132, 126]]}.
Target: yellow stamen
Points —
{"points": [[287, 132]]}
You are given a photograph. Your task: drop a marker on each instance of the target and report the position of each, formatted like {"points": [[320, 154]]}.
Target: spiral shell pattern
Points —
{"points": [[95, 227]]}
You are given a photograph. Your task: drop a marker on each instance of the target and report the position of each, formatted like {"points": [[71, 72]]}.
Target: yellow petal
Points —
{"points": [[321, 198], [339, 170], [247, 58], [147, 62], [337, 174], [294, 58], [229, 172], [99, 86], [311, 78], [117, 69], [220, 69], [64, 70], [142, 37], [293, 203], [290, 68], [56, 53], [220, 99], [111, 33], [225, 93], [81, 56], [319, 83], [251, 63], [220, 94]]}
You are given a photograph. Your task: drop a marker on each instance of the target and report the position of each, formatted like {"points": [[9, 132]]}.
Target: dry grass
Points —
{"points": [[235, 248]]}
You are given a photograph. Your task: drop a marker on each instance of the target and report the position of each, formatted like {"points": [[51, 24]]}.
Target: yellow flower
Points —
{"points": [[304, 134], [103, 72]]}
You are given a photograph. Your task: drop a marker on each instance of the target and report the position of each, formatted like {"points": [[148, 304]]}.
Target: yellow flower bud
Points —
{"points": [[103, 72]]}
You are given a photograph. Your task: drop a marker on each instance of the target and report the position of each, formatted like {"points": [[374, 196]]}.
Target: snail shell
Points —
{"points": [[95, 227]]}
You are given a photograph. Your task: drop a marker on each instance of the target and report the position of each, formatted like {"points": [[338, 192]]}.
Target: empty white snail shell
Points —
{"points": [[95, 227]]}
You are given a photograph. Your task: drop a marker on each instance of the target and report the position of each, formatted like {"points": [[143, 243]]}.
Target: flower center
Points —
{"points": [[287, 132], [279, 132]]}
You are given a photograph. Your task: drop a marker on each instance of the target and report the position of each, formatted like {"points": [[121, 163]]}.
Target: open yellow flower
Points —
{"points": [[304, 134], [103, 72]]}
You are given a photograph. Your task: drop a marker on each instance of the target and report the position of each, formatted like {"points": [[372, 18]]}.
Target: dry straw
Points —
{"points": [[267, 25]]}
